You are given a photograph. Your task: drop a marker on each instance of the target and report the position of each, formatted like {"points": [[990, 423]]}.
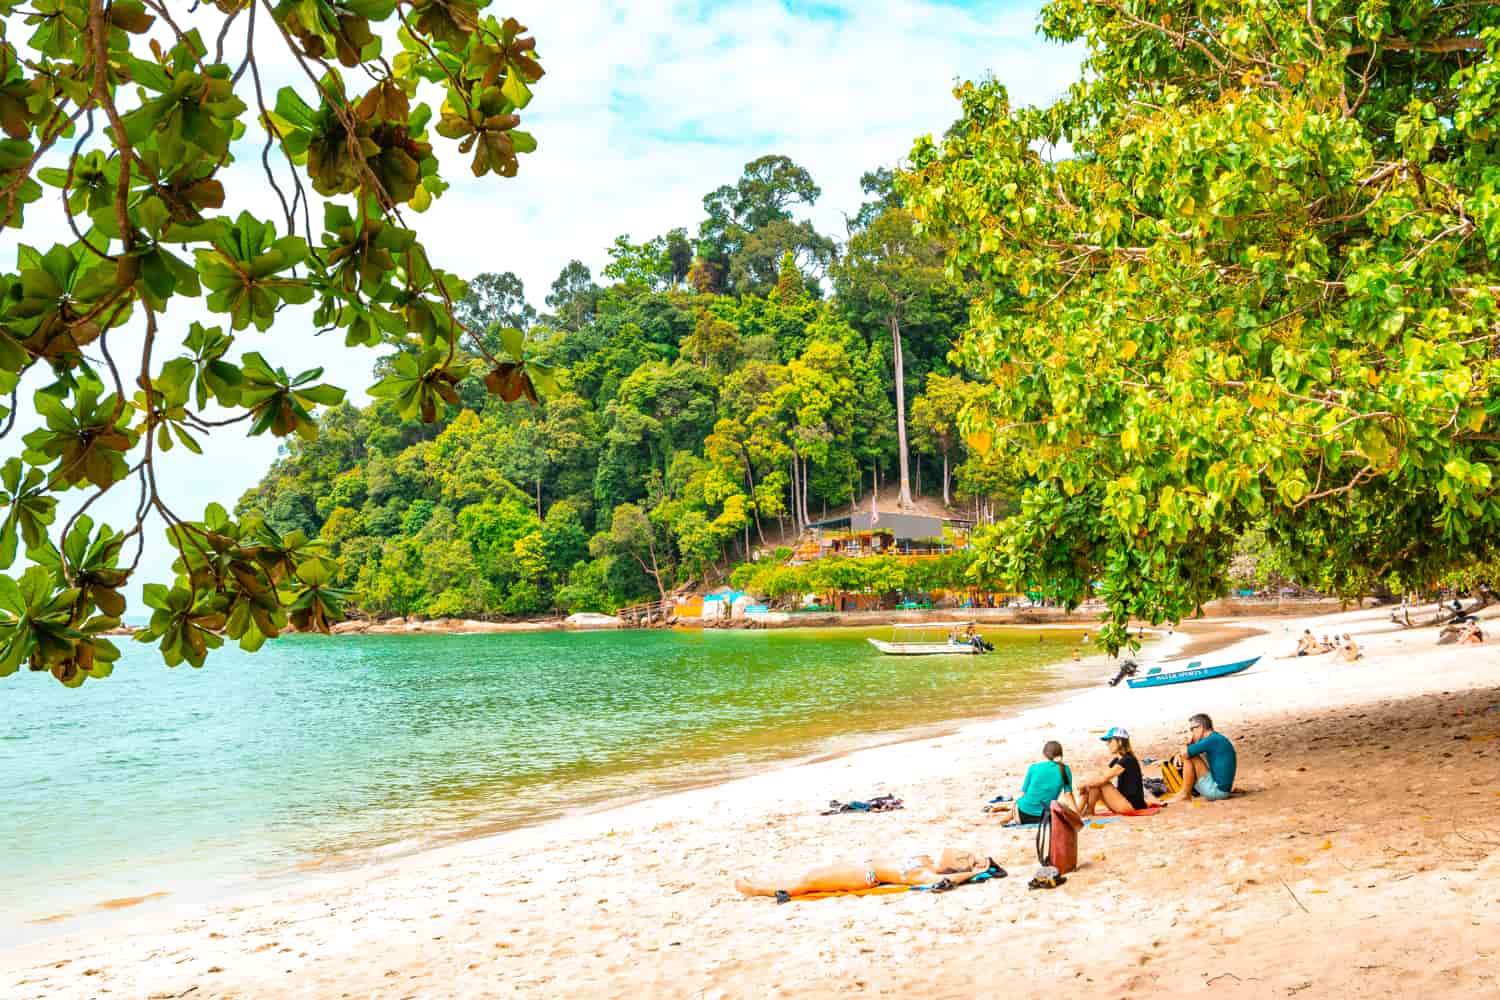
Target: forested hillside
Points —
{"points": [[713, 392]]}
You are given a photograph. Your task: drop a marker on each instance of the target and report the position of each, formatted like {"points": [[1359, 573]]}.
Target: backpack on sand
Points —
{"points": [[1057, 838]]}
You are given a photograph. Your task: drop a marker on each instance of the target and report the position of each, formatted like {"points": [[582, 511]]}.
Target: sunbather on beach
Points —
{"points": [[1471, 634], [847, 876], [1208, 762], [1349, 650], [1126, 794], [1045, 780]]}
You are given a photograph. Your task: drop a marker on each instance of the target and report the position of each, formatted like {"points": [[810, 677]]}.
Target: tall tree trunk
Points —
{"points": [[802, 491], [538, 498], [945, 478], [904, 501], [806, 517], [656, 572], [796, 516], [754, 505]]}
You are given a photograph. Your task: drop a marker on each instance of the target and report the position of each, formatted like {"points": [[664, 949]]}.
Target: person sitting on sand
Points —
{"points": [[1349, 650], [1471, 634], [1208, 762], [1045, 780], [1127, 794], [957, 867]]}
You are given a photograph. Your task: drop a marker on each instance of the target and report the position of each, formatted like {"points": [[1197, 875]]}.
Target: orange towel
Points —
{"points": [[877, 890]]}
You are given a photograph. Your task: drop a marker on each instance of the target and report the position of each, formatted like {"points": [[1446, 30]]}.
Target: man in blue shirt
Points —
{"points": [[1208, 762]]}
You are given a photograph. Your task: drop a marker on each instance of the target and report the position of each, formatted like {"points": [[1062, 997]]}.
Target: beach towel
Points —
{"points": [[1150, 810], [993, 872], [880, 803]]}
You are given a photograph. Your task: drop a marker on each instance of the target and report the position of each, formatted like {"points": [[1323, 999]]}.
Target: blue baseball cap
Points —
{"points": [[1116, 733]]}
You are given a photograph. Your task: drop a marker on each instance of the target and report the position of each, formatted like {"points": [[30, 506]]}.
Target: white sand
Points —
{"points": [[1362, 861]]}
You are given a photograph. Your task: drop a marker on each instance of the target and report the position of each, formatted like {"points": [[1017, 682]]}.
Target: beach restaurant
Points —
{"points": [[870, 533]]}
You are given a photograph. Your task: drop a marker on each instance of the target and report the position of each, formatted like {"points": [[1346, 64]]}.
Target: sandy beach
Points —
{"points": [[1361, 859]]}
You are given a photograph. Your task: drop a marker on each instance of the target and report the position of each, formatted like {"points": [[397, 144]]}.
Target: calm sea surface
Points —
{"points": [[198, 782]]}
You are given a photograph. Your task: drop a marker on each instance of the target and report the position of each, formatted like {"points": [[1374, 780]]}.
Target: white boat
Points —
{"points": [[954, 645]]}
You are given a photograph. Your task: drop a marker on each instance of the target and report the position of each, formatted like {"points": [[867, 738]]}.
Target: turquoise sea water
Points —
{"points": [[319, 750]]}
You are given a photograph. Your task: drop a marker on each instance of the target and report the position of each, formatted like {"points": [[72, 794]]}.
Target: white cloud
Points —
{"points": [[646, 107]]}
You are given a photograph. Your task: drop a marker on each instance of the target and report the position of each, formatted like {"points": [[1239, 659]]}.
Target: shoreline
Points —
{"points": [[652, 878], [1085, 617]]}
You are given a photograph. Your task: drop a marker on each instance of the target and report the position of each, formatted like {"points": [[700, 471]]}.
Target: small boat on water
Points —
{"points": [[1195, 671], [954, 644]]}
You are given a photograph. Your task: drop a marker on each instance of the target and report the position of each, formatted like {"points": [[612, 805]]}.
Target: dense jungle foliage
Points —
{"points": [[1260, 292], [714, 394]]}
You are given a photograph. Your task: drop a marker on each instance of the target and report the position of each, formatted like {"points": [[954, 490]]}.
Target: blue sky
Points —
{"points": [[646, 107]]}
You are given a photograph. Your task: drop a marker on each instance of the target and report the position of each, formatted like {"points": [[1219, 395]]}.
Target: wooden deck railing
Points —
{"points": [[649, 615]]}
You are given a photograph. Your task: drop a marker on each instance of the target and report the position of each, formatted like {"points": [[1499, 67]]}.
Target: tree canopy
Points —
{"points": [[1243, 275], [133, 112]]}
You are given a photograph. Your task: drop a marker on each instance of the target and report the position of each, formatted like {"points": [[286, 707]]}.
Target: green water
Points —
{"points": [[197, 783]]}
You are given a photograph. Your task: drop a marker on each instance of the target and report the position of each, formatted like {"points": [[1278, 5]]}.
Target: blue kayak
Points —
{"points": [[1194, 672]]}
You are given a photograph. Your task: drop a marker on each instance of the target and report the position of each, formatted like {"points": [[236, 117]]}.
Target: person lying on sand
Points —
{"points": [[1208, 762], [1127, 793], [1045, 780], [847, 876], [1470, 634]]}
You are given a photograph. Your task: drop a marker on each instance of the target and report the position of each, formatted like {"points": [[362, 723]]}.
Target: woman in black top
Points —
{"points": [[1126, 794]]}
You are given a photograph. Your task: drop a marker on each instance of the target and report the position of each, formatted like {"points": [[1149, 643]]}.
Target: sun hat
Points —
{"points": [[1115, 733]]}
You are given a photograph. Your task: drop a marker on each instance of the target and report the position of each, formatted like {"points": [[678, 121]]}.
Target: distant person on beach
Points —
{"points": [[1471, 634], [1045, 781], [957, 867], [1208, 762], [1349, 650], [1127, 794], [1307, 643]]}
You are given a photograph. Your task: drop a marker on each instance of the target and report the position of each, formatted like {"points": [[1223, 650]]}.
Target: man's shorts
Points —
{"points": [[1209, 788]]}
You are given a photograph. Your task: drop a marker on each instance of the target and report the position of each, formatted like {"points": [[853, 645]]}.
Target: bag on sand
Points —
{"points": [[1171, 775], [1057, 838]]}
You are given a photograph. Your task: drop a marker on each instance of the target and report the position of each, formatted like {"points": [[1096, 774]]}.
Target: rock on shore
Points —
{"points": [[471, 626]]}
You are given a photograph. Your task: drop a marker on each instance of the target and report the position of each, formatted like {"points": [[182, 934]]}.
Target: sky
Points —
{"points": [[645, 108]]}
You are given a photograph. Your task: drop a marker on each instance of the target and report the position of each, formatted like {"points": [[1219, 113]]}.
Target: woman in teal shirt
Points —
{"points": [[1045, 780]]}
